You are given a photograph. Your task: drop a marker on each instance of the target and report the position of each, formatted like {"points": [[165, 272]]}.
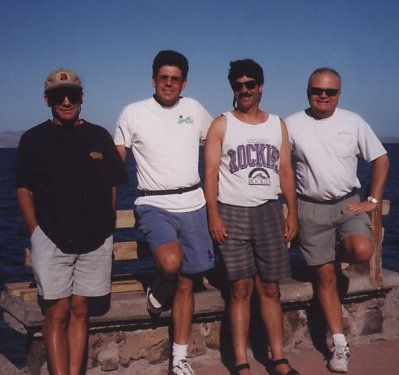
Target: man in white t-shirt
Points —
{"points": [[325, 142], [164, 133]]}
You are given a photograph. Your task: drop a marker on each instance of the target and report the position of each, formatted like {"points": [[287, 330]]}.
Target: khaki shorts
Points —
{"points": [[323, 226], [59, 275]]}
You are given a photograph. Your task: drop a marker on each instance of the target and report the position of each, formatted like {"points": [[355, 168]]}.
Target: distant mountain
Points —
{"points": [[389, 139], [10, 139]]}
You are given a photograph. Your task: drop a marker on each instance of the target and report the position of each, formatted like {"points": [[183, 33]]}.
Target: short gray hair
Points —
{"points": [[323, 70]]}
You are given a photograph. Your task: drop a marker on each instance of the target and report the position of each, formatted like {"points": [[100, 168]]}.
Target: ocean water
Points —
{"points": [[14, 236]]}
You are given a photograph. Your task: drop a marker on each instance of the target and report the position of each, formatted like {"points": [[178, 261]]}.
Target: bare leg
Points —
{"points": [[241, 291], [55, 335], [327, 294], [77, 333], [272, 315], [359, 248], [169, 258], [182, 311]]}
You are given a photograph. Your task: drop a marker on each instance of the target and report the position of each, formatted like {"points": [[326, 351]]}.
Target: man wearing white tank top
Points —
{"points": [[247, 165]]}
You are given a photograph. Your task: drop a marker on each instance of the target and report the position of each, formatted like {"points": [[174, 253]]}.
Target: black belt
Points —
{"points": [[330, 201], [146, 193]]}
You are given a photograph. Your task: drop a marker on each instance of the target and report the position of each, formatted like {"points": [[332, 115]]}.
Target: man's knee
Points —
{"points": [[242, 289], [185, 285], [269, 290], [359, 247], [326, 276], [169, 258], [362, 252], [57, 312], [79, 307]]}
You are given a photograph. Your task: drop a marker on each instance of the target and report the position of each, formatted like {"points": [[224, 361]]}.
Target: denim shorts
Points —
{"points": [[188, 229], [59, 275]]}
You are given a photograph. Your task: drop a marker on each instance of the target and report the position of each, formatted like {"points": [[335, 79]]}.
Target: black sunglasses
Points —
{"points": [[250, 85], [58, 97], [318, 91]]}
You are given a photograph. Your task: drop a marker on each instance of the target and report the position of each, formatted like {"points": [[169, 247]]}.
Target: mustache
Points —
{"points": [[244, 95]]}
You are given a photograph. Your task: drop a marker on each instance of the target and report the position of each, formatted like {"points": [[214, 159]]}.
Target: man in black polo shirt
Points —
{"points": [[67, 174]]}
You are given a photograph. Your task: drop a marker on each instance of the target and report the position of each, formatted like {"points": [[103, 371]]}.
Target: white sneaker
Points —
{"points": [[182, 368], [339, 361]]}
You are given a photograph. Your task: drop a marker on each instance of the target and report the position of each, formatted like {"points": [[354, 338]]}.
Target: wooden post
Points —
{"points": [[376, 240]]}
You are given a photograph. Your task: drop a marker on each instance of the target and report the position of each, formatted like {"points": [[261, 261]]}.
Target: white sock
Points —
{"points": [[339, 339], [179, 352]]}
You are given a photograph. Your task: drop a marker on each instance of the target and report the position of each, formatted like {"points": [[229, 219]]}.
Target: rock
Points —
{"points": [[36, 357], [109, 358], [372, 322], [142, 344], [213, 335], [196, 343], [7, 368]]}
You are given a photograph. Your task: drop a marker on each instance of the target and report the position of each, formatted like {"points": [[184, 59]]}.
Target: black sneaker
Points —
{"points": [[159, 295]]}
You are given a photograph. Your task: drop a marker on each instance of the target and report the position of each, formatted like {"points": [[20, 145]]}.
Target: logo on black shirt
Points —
{"points": [[96, 155]]}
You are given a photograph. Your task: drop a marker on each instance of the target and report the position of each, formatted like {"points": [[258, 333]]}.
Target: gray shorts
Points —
{"points": [[188, 229], [322, 227], [59, 275], [255, 242]]}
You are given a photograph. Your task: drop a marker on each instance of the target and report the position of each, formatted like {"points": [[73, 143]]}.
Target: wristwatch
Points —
{"points": [[372, 200]]}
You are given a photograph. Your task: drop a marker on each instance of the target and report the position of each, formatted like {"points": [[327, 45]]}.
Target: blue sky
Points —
{"points": [[111, 44]]}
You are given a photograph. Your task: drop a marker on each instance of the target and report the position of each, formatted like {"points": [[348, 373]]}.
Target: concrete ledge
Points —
{"points": [[121, 308]]}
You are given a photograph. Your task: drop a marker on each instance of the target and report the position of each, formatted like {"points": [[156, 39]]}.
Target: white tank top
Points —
{"points": [[250, 162]]}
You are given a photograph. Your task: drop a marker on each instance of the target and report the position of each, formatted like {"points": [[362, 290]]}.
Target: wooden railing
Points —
{"points": [[127, 250]]}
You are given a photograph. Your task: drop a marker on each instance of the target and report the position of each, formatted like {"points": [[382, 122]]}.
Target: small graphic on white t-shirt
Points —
{"points": [[259, 176]]}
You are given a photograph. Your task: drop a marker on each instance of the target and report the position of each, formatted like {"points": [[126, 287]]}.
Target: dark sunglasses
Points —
{"points": [[318, 91], [58, 97], [250, 85], [175, 80]]}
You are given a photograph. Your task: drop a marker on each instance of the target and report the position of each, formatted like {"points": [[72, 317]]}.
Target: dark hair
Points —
{"points": [[170, 58], [323, 70], [246, 67]]}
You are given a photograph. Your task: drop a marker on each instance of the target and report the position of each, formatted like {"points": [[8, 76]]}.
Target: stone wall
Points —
{"points": [[146, 350]]}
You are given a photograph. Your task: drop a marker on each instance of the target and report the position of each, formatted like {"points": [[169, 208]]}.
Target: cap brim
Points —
{"points": [[60, 86]]}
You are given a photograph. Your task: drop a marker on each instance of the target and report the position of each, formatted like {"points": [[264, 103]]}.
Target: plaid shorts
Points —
{"points": [[255, 242]]}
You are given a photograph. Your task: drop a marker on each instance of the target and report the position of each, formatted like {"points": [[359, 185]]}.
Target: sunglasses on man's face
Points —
{"points": [[250, 85], [318, 91], [58, 97]]}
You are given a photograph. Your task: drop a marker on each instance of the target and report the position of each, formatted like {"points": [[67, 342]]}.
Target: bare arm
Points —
{"points": [[27, 207], [212, 156], [114, 196], [378, 180], [288, 187], [122, 151]]}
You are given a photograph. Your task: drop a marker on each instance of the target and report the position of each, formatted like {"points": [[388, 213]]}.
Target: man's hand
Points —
{"points": [[217, 229], [290, 227], [364, 206]]}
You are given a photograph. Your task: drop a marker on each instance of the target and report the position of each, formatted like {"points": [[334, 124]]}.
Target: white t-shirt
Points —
{"points": [[165, 144], [250, 162], [325, 152]]}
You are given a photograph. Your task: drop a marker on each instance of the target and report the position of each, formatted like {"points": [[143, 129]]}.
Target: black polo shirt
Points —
{"points": [[71, 172]]}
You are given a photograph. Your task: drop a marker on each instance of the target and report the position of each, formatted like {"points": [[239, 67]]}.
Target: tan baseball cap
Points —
{"points": [[62, 78]]}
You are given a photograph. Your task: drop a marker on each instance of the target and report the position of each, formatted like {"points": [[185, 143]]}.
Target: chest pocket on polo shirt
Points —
{"points": [[345, 144]]}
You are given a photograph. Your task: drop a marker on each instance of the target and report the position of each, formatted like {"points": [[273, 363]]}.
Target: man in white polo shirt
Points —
{"points": [[164, 133], [325, 142]]}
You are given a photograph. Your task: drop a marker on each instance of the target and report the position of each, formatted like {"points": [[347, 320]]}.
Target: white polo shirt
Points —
{"points": [[325, 152]]}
